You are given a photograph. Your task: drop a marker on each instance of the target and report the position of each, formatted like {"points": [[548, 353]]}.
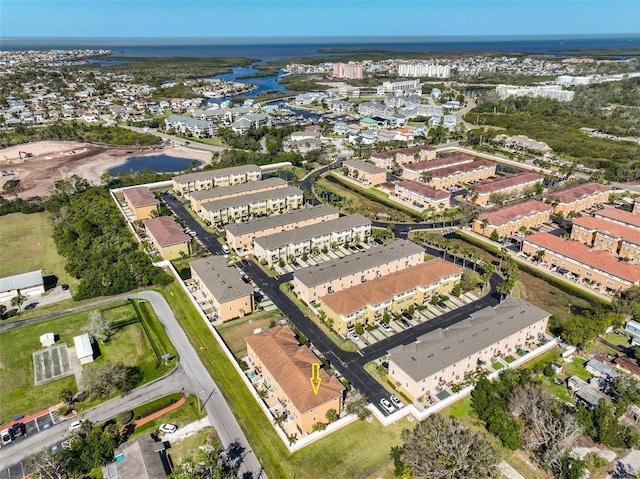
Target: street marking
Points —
{"points": [[315, 377]]}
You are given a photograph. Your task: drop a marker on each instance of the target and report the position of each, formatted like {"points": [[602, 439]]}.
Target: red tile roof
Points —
{"points": [[463, 168], [613, 229], [166, 231], [620, 215], [627, 364], [423, 190], [290, 365], [577, 192], [504, 182], [601, 260], [509, 213], [140, 196], [438, 163]]}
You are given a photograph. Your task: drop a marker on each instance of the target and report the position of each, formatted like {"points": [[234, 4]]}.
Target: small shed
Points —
{"points": [[47, 339], [84, 349]]}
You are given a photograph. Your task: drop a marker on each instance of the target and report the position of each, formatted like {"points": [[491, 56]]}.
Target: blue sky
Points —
{"points": [[317, 18]]}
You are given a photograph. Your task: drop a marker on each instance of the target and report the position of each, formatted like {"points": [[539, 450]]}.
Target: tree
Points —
{"points": [[46, 465], [66, 395], [214, 463], [332, 415], [18, 300], [101, 380], [98, 326], [494, 236], [356, 403], [441, 447]]}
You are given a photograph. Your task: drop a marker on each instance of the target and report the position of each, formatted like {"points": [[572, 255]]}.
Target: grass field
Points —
{"points": [[234, 332], [18, 395], [26, 244], [185, 414]]}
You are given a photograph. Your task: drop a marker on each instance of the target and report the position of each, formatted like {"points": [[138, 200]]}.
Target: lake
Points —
{"points": [[158, 163], [262, 83]]}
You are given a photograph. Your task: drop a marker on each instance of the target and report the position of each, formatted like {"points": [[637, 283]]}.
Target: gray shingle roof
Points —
{"points": [[220, 279], [239, 189], [268, 222], [440, 348], [209, 174], [251, 198], [364, 166], [312, 231], [338, 268]]}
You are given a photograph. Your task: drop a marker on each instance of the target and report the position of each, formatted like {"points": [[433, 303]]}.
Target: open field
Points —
{"points": [[18, 395], [26, 244], [233, 332], [185, 414]]}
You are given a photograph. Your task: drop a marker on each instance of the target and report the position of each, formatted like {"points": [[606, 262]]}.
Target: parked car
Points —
{"points": [[75, 425], [353, 336], [405, 323], [168, 428], [386, 405], [7, 436], [385, 327], [19, 429], [396, 402], [245, 262], [557, 381]]}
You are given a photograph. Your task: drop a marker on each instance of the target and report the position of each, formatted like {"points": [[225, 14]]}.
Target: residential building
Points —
{"points": [[505, 186], [524, 143], [365, 172], [421, 196], [141, 201], [198, 198], [621, 217], [168, 237], [578, 198], [633, 328], [420, 170], [406, 87], [450, 176], [367, 303], [240, 236], [585, 393], [204, 180], [250, 121], [600, 269], [285, 367], [191, 126], [27, 284], [510, 219], [229, 296], [553, 92], [424, 70], [599, 369], [350, 71], [403, 156], [605, 235], [443, 357], [139, 458], [299, 241], [241, 208], [336, 275], [302, 146]]}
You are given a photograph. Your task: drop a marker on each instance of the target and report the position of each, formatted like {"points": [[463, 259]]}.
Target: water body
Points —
{"points": [[158, 163], [268, 83]]}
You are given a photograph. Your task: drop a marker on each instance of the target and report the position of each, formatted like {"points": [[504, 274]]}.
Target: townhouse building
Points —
{"points": [[419, 170], [228, 295], [443, 357], [403, 156], [510, 219], [241, 208], [600, 269], [365, 172], [300, 241], [461, 174], [578, 198], [285, 367], [167, 237], [607, 236], [621, 217], [189, 126], [240, 236], [198, 198], [367, 303], [204, 180], [313, 282], [141, 201], [505, 186], [420, 195]]}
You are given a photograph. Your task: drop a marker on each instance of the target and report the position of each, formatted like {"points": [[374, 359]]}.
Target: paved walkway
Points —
{"points": [[159, 413]]}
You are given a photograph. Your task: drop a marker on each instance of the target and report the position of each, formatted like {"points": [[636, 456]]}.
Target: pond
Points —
{"points": [[158, 163]]}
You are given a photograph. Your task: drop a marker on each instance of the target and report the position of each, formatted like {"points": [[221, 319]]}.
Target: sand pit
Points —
{"points": [[51, 161]]}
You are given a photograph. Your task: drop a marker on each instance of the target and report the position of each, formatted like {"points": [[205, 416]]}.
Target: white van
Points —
{"points": [[225, 249], [7, 436]]}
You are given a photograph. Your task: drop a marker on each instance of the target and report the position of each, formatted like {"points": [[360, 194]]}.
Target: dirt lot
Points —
{"points": [[56, 160]]}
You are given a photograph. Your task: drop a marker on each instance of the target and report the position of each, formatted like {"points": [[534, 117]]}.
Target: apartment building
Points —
{"points": [[509, 219], [240, 236], [553, 92], [605, 235], [198, 198], [403, 156], [443, 357], [188, 126], [296, 242], [421, 195], [241, 208], [578, 198], [367, 303], [598, 268], [621, 217], [505, 186], [350, 71], [223, 288], [365, 172], [419, 170], [285, 367], [141, 201], [332, 276], [167, 237], [204, 180], [461, 174]]}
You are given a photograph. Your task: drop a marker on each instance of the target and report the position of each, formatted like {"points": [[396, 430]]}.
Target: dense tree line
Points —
{"points": [[250, 139]]}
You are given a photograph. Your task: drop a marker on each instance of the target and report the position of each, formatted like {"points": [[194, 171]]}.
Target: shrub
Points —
{"points": [[124, 418], [359, 328]]}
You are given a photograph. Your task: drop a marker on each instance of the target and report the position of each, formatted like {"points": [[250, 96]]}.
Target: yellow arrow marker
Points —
{"points": [[315, 377]]}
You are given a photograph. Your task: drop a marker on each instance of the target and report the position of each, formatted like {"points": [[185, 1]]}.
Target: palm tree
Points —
{"points": [[292, 438], [485, 222], [539, 255], [18, 300]]}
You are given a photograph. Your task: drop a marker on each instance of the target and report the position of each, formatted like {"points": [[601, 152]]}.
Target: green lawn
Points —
{"points": [[185, 414], [19, 395], [26, 244], [190, 446], [348, 453], [233, 332]]}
